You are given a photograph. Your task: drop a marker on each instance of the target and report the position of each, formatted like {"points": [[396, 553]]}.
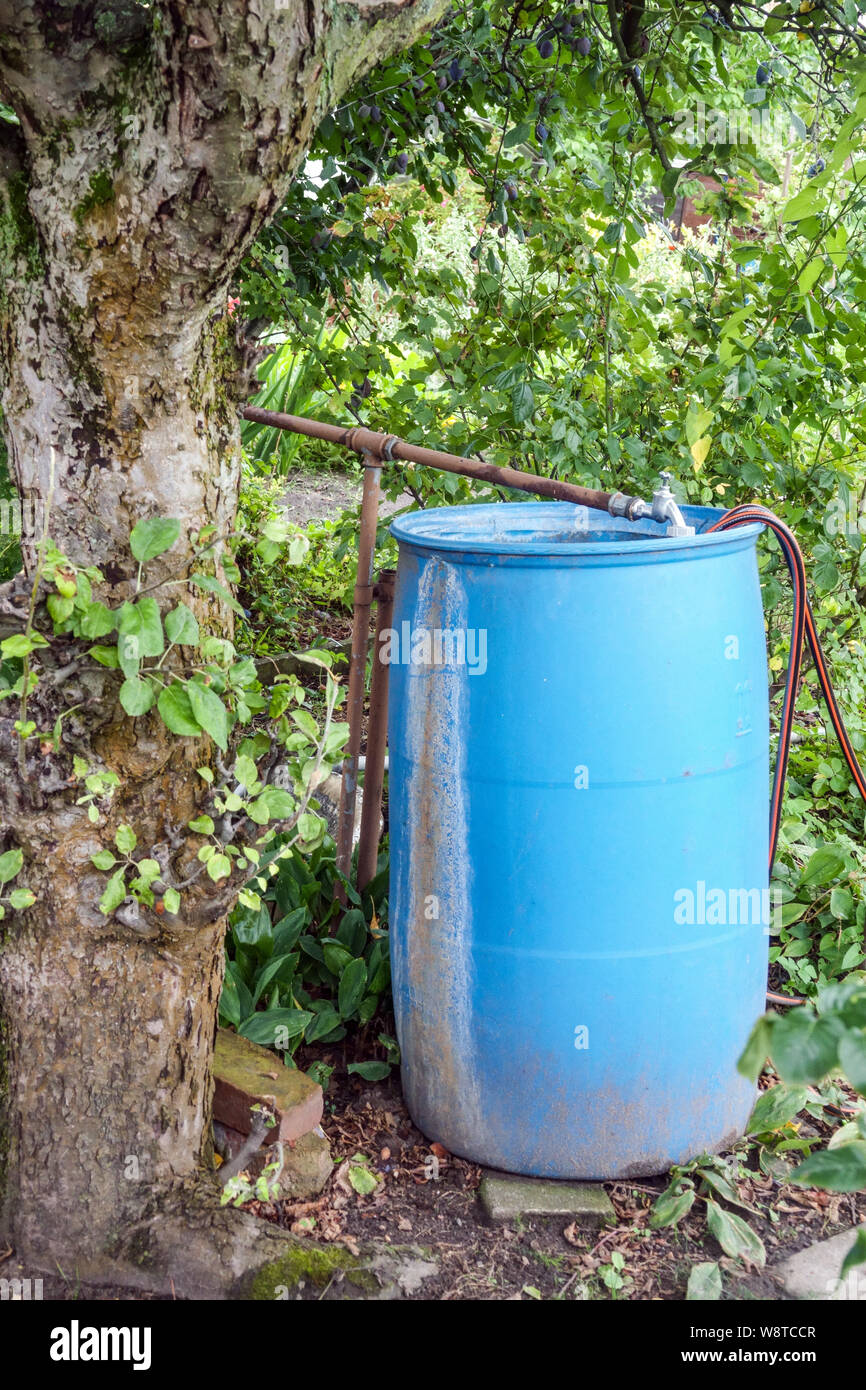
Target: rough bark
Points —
{"points": [[153, 145]]}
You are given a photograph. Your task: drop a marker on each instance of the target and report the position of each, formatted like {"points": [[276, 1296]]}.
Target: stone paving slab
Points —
{"points": [[505, 1197], [813, 1273]]}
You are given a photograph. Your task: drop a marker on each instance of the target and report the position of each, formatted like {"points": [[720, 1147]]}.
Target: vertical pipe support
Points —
{"points": [[358, 663], [377, 736]]}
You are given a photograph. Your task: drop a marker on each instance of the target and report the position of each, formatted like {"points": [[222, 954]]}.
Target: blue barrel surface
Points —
{"points": [[578, 789]]}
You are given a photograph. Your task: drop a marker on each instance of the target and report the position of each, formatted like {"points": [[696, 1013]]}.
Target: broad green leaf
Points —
{"points": [[10, 864], [671, 1207], [176, 710], [136, 695], [20, 898], [735, 1236], [856, 1255], [268, 973], [97, 620], [774, 1108], [272, 1027], [209, 711], [370, 1071], [219, 866], [153, 537], [837, 1170], [824, 865], [804, 1048], [323, 1023], [115, 892], [126, 839], [852, 1055], [705, 1283], [181, 626], [171, 898], [757, 1048], [19, 644], [362, 1179], [106, 656], [353, 982], [202, 825], [103, 859]]}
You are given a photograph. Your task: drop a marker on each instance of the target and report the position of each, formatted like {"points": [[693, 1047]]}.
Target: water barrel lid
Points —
{"points": [[560, 529]]}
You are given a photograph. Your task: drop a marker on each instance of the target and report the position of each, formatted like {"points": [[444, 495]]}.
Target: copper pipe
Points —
{"points": [[388, 446], [358, 660], [377, 736]]}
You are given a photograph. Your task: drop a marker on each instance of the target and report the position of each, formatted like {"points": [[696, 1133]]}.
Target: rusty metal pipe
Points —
{"points": [[377, 736], [388, 446], [358, 660]]}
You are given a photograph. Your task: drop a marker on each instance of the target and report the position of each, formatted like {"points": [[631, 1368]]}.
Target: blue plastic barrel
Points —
{"points": [[578, 818]]}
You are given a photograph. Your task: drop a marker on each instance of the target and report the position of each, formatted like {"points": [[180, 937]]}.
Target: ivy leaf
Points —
{"points": [[176, 710], [115, 892], [153, 537], [209, 711], [181, 626], [136, 695]]}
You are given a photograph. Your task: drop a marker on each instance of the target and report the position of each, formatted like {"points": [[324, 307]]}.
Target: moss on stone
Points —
{"points": [[19, 240], [311, 1264]]}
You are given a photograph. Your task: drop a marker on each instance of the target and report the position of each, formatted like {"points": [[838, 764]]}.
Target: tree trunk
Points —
{"points": [[153, 145]]}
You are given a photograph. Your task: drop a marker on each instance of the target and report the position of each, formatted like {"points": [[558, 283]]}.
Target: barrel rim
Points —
{"points": [[410, 530]]}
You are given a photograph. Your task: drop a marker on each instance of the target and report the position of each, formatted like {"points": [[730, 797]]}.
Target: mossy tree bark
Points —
{"points": [[154, 142]]}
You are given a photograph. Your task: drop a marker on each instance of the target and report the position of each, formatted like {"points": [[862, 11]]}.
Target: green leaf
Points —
{"points": [[323, 1023], [103, 859], [735, 1236], [837, 1170], [361, 1178], [804, 1048], [171, 898], [219, 866], [115, 892], [20, 898], [774, 1108], [757, 1048], [181, 626], [209, 711], [19, 644], [268, 973], [176, 710], [671, 1207], [10, 864], [213, 586], [139, 634], [262, 1027], [106, 656], [856, 1255], [202, 825], [705, 1283], [824, 865], [353, 982], [125, 839], [852, 1055], [136, 695], [370, 1071], [97, 620], [153, 537]]}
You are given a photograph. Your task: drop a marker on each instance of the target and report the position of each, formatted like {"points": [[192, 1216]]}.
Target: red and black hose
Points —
{"points": [[803, 625]]}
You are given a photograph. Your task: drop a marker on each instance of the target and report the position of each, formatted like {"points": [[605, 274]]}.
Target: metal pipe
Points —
{"points": [[388, 446], [358, 659], [377, 736]]}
